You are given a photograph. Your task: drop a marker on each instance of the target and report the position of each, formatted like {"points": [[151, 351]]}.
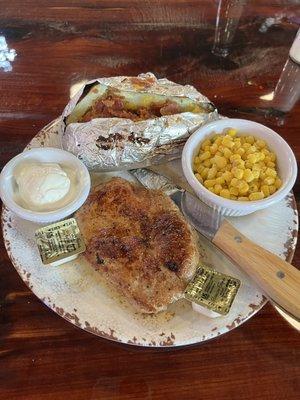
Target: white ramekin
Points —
{"points": [[45, 154], [286, 165]]}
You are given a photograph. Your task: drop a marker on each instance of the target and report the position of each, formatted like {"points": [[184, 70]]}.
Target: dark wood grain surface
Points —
{"points": [[60, 44]]}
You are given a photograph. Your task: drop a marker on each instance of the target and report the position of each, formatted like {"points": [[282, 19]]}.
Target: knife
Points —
{"points": [[278, 279]]}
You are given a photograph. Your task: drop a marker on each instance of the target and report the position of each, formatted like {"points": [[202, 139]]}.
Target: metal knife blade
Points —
{"points": [[204, 219], [152, 180]]}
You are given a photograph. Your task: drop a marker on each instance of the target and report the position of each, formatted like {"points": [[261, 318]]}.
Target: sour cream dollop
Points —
{"points": [[41, 185]]}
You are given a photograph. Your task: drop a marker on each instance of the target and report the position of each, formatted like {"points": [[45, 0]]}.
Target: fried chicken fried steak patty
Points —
{"points": [[139, 241]]}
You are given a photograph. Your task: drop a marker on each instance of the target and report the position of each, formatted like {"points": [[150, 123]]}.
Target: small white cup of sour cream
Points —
{"points": [[44, 185]]}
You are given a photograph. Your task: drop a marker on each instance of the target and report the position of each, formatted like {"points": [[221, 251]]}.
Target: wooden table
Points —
{"points": [[61, 43]]}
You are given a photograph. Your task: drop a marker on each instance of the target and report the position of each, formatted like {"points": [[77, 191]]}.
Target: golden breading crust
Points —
{"points": [[139, 241]]}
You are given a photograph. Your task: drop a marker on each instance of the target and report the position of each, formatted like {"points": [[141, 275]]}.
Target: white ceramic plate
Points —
{"points": [[77, 293]]}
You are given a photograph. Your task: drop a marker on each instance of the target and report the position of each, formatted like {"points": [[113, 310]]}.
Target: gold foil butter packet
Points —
{"points": [[212, 290], [59, 242]]}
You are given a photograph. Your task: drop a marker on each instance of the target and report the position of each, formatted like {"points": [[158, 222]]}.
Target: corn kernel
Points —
{"points": [[234, 182], [243, 187], [207, 163], [227, 142], [206, 143], [220, 180], [260, 143], [220, 161], [227, 175], [227, 153], [271, 164], [250, 139], [272, 157], [240, 151], [218, 188], [269, 181], [262, 175], [256, 174], [207, 148], [219, 173], [246, 146], [272, 189], [225, 193], [262, 156], [256, 196], [238, 164], [256, 167], [253, 157], [253, 187], [243, 198], [271, 172], [233, 197], [204, 173], [209, 183], [212, 172], [213, 148], [200, 169], [278, 183], [204, 156], [248, 175], [235, 157], [252, 149], [234, 190], [266, 190], [236, 147], [237, 173], [231, 132]]}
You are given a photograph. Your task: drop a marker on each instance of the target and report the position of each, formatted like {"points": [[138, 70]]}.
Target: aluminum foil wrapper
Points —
{"points": [[107, 144]]}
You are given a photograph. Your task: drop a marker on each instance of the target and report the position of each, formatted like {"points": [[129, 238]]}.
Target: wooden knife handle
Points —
{"points": [[278, 279]]}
